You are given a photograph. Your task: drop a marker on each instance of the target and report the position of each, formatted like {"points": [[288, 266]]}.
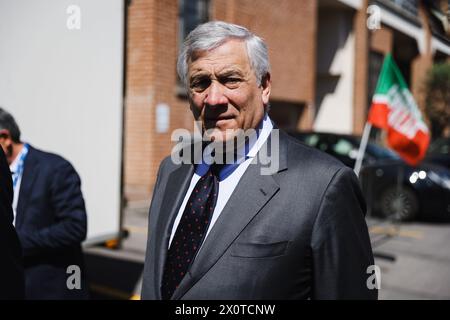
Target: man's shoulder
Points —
{"points": [[312, 167], [168, 165], [303, 156], [47, 159]]}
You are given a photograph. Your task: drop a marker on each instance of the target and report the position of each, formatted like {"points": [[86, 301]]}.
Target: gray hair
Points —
{"points": [[213, 34], [7, 122]]}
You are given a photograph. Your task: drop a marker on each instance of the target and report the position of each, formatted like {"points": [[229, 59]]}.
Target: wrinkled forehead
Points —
{"points": [[230, 53], [231, 47]]}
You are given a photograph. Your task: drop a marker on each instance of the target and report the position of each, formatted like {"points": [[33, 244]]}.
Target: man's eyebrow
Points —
{"points": [[196, 74], [199, 74], [230, 72]]}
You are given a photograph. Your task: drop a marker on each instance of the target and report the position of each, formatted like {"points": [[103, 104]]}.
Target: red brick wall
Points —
{"points": [[361, 69], [381, 40], [139, 96], [151, 79]]}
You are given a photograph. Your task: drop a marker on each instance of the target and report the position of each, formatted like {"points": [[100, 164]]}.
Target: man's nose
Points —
{"points": [[215, 95]]}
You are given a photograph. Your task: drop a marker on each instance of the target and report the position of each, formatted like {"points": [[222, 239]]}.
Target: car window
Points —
{"points": [[343, 147], [444, 149], [440, 146], [312, 140], [379, 152]]}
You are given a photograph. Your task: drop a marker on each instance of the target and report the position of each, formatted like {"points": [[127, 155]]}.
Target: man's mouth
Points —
{"points": [[219, 118]]}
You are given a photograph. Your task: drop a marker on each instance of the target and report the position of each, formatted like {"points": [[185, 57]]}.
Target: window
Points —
{"points": [[191, 14], [409, 6]]}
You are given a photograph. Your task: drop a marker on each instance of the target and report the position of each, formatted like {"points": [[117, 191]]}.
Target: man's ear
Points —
{"points": [[266, 86]]}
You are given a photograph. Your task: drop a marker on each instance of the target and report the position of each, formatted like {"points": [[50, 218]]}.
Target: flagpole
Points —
{"points": [[362, 148]]}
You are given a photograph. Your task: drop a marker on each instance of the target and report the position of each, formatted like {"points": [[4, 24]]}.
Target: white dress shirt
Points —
{"points": [[226, 186], [13, 167]]}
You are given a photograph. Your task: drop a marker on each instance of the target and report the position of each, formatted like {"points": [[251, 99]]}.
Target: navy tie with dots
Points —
{"points": [[191, 230]]}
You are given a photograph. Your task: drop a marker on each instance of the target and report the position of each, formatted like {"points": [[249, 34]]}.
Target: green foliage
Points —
{"points": [[437, 105]]}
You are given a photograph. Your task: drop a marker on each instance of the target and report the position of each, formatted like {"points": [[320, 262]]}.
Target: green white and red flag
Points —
{"points": [[394, 110]]}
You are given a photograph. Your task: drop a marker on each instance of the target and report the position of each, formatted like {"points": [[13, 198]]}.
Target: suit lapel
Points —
{"points": [[177, 185], [30, 170], [251, 194]]}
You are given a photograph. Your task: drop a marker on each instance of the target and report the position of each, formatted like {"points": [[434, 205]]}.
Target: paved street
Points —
{"points": [[414, 259], [421, 265], [116, 273]]}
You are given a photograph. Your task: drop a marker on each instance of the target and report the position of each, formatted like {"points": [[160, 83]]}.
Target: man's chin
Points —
{"points": [[217, 135]]}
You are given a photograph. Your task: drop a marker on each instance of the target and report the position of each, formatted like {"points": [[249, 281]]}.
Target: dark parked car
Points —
{"points": [[439, 152], [423, 191]]}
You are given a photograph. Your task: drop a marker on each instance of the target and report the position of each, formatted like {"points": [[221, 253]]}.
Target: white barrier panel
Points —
{"points": [[61, 70]]}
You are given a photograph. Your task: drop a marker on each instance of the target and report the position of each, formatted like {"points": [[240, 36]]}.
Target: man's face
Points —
{"points": [[6, 144], [223, 90]]}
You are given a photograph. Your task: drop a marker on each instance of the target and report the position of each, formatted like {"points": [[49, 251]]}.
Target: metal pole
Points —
{"points": [[362, 148]]}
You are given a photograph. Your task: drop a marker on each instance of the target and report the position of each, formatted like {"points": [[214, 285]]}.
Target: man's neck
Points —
{"points": [[16, 149]]}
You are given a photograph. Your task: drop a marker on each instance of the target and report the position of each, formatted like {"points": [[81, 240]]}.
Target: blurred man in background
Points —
{"points": [[11, 269], [49, 216]]}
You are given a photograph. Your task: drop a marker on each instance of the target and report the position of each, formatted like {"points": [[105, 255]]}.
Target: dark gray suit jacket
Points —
{"points": [[51, 223], [296, 234]]}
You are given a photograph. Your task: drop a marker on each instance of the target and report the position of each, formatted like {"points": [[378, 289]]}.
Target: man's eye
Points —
{"points": [[200, 84], [231, 81]]}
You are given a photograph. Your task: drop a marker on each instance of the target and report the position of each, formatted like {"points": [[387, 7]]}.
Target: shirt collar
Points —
{"points": [[13, 166], [263, 134], [251, 148]]}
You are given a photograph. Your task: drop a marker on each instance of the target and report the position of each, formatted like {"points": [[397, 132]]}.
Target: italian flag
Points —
{"points": [[394, 110]]}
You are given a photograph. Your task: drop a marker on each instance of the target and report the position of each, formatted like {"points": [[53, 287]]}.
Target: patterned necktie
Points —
{"points": [[191, 230]]}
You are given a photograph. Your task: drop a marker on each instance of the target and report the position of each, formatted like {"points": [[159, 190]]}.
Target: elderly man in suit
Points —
{"points": [[232, 231], [11, 269], [49, 216]]}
